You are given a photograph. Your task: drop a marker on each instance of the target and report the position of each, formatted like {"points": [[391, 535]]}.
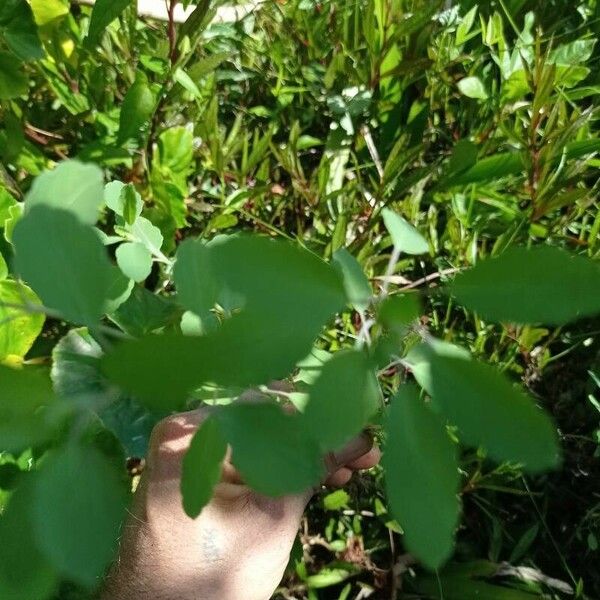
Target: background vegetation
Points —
{"points": [[477, 121]]}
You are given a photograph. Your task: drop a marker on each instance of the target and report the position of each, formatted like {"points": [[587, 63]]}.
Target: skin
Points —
{"points": [[237, 548]]}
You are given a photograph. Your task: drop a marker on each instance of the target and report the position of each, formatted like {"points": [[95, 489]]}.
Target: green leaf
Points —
{"points": [[71, 186], [197, 289], [3, 275], [405, 237], [134, 260], [357, 286], [286, 295], [421, 477], [342, 399], [473, 87], [147, 234], [78, 380], [103, 14], [13, 80], [20, 30], [79, 502], [18, 327], [46, 11], [538, 285], [23, 394], [271, 449], [124, 200], [201, 467], [119, 290], [25, 574], [491, 412], [64, 262], [336, 500], [144, 312], [419, 359], [397, 312], [136, 110]]}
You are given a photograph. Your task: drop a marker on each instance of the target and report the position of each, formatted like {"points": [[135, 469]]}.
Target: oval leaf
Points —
{"points": [[405, 236], [201, 467], [421, 477], [79, 502], [492, 413], [72, 186], [64, 262], [342, 399], [134, 260], [538, 285]]}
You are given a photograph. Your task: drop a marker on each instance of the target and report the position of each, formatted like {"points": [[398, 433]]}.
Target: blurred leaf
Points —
{"points": [[143, 313], [134, 260], [473, 87], [20, 30], [493, 413], [193, 276], [201, 467], [517, 285], [13, 81], [22, 394], [357, 286], [336, 500], [342, 399], [18, 327], [46, 11], [79, 502], [330, 576], [398, 312], [406, 238], [71, 186], [73, 283], [271, 449], [422, 477], [25, 574]]}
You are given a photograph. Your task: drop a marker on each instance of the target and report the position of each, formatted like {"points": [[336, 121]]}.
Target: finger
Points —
{"points": [[340, 478], [356, 448], [366, 461]]}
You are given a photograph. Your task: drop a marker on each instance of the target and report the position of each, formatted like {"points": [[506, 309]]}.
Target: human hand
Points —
{"points": [[236, 549]]}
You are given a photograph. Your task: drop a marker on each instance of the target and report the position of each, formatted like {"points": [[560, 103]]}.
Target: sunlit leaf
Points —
{"points": [[537, 285]]}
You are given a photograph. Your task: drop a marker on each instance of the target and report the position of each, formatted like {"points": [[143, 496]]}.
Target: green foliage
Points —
{"points": [[201, 467], [422, 476], [517, 285], [345, 197], [64, 262]]}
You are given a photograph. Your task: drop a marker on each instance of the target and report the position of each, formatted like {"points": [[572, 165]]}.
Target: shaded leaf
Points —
{"points": [[421, 477], [25, 574], [13, 81], [342, 399], [271, 449], [201, 467], [78, 532], [136, 110]]}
